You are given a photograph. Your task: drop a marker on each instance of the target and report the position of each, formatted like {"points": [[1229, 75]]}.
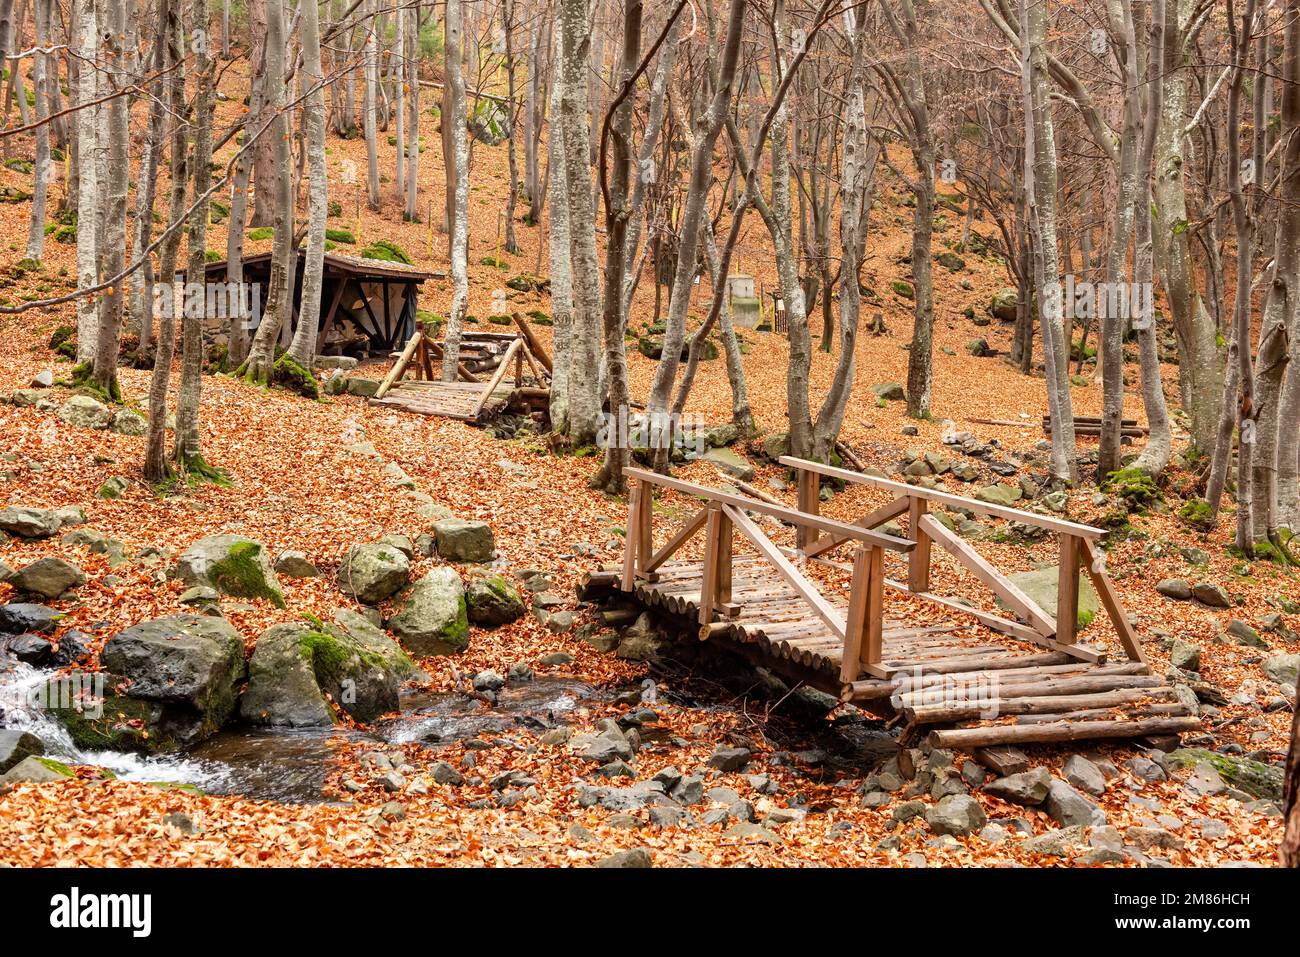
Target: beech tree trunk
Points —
{"points": [[114, 236], [302, 349], [458, 160], [560, 250], [584, 341], [87, 180], [40, 82]]}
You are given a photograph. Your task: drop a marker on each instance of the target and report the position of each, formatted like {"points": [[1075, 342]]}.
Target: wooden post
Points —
{"points": [[1067, 591], [918, 563], [863, 624], [810, 486], [715, 587], [630, 542]]}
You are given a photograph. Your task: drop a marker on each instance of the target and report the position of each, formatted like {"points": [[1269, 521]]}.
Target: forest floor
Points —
{"points": [[296, 484]]}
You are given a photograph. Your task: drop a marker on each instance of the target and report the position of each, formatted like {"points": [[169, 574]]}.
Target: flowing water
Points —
{"points": [[290, 765]]}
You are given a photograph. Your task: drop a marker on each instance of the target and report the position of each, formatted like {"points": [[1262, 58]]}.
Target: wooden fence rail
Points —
{"points": [[1078, 551]]}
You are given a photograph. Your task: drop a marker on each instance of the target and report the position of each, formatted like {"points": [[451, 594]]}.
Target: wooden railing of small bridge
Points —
{"points": [[1078, 551], [723, 513]]}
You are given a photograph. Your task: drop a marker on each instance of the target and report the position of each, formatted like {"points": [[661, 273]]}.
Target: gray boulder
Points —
{"points": [[16, 745], [460, 540], [370, 573], [1185, 655], [35, 770], [1041, 586], [128, 422], [1175, 588], [295, 666], [233, 565], [730, 462], [86, 413], [28, 522], [1085, 775], [434, 618], [1282, 669], [1068, 807], [294, 564], [957, 814], [18, 617], [171, 683], [1208, 593], [493, 601], [49, 577], [1026, 788]]}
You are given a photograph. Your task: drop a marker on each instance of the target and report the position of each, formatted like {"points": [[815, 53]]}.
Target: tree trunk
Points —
{"points": [[610, 477], [584, 345], [303, 348], [560, 249], [40, 82], [507, 22], [187, 450], [459, 161], [141, 305], [114, 235], [258, 367], [368, 114], [156, 468], [88, 185], [239, 322], [412, 80]]}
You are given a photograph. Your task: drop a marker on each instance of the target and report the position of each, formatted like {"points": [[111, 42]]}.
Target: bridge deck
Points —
{"points": [[976, 686]]}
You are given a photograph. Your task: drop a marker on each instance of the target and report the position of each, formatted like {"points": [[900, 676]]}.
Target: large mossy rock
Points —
{"points": [[493, 601], [1003, 305], [35, 770], [434, 619], [86, 412], [16, 745], [171, 683], [1041, 586], [1254, 777], [297, 668], [233, 565], [371, 573]]}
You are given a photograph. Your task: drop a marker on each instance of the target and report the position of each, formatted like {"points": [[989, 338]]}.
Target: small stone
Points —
{"points": [[1208, 593], [1068, 807], [1185, 655], [635, 858], [48, 577], [1026, 788], [293, 564], [1085, 775], [1175, 588], [730, 759], [957, 814]]}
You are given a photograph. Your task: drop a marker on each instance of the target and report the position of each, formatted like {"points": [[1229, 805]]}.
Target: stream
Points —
{"points": [[286, 764]]}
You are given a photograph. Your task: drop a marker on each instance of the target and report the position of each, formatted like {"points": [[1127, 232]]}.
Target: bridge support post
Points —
{"points": [[1067, 591], [715, 589], [810, 487], [918, 562], [863, 624]]}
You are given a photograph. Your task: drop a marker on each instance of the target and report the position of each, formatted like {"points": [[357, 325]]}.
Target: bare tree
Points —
{"points": [[40, 88], [87, 179], [454, 113], [302, 349]]}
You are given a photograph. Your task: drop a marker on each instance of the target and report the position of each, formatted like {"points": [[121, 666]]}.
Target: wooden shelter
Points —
{"points": [[485, 361], [969, 679], [368, 306]]}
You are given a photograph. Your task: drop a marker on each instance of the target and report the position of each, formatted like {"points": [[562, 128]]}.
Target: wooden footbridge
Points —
{"points": [[967, 676]]}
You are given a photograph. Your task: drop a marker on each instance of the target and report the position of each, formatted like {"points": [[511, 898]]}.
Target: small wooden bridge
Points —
{"points": [[969, 677]]}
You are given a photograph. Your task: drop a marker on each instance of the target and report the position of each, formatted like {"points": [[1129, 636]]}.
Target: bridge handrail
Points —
{"points": [[789, 515], [1059, 525]]}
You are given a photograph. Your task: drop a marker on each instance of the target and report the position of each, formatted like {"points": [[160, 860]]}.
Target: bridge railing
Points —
{"points": [[724, 513], [1078, 551]]}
